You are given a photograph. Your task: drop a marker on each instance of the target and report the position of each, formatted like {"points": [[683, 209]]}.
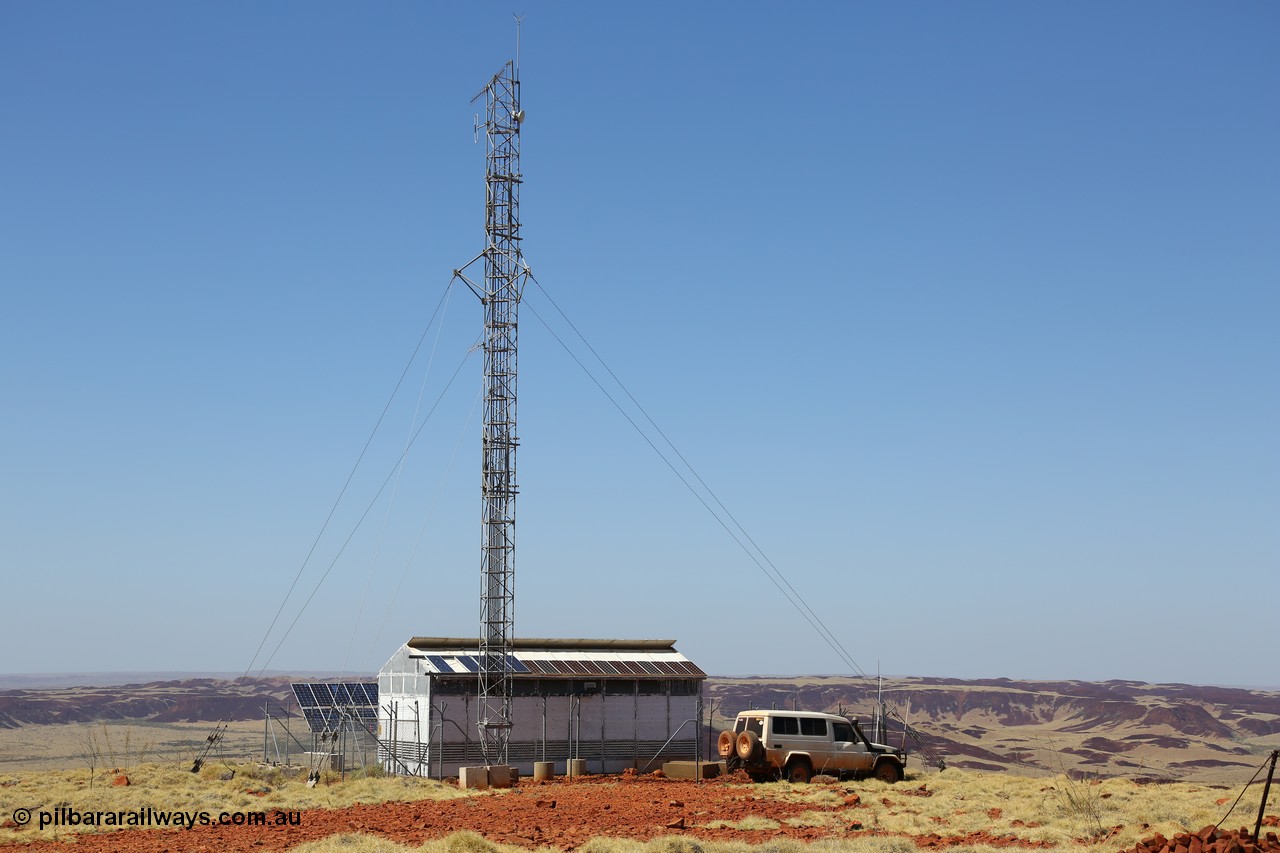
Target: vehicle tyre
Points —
{"points": [[798, 771], [725, 743], [889, 771], [748, 746]]}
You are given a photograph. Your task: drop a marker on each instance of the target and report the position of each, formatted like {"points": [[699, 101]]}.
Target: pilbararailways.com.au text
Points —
{"points": [[64, 816]]}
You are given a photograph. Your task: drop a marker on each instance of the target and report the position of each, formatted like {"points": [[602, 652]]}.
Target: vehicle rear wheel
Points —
{"points": [[748, 745], [798, 771], [889, 771], [725, 743]]}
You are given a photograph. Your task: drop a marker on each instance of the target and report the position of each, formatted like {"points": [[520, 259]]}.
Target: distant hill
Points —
{"points": [[52, 680], [189, 700], [1169, 731], [1164, 731]]}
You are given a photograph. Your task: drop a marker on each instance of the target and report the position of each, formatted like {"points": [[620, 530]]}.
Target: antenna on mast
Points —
{"points": [[519, 19]]}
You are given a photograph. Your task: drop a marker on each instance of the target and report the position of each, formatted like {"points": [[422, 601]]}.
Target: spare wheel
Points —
{"points": [[748, 745]]}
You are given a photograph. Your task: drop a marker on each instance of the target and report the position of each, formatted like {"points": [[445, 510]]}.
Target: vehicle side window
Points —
{"points": [[843, 732], [755, 724], [786, 726], [810, 726]]}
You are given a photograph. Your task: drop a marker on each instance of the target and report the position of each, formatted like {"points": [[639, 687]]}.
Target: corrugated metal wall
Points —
{"points": [[612, 732]]}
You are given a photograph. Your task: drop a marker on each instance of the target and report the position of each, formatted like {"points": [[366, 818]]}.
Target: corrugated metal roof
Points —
{"points": [[564, 658], [544, 644]]}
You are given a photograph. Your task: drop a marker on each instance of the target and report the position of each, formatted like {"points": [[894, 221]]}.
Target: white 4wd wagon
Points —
{"points": [[800, 744]]}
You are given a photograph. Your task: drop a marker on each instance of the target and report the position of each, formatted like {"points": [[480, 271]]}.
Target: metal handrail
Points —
{"points": [[668, 743]]}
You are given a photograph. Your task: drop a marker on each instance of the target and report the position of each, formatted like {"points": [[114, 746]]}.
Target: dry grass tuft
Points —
{"points": [[748, 823], [351, 843], [814, 819]]}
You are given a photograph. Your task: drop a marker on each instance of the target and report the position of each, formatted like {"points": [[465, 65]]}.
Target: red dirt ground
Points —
{"points": [[558, 814]]}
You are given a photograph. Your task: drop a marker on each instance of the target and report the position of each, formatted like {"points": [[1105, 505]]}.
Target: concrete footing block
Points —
{"points": [[576, 767], [544, 771], [501, 775], [692, 769], [473, 777]]}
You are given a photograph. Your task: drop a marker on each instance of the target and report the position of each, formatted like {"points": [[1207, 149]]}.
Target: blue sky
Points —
{"points": [[967, 312]]}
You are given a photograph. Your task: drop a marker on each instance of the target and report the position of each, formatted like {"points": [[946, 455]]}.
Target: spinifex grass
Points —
{"points": [[173, 788], [1069, 814]]}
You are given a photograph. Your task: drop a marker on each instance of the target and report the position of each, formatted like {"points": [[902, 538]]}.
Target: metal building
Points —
{"points": [[616, 703]]}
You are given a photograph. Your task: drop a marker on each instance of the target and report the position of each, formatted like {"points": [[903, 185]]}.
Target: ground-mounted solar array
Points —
{"points": [[326, 706]]}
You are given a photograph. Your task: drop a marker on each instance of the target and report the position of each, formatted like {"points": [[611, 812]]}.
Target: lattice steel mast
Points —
{"points": [[504, 279]]}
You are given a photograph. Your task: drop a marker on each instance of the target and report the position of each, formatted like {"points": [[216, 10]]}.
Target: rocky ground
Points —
{"points": [[564, 815]]}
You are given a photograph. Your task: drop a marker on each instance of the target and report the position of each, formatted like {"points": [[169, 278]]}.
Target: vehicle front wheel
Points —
{"points": [[889, 771], [798, 772]]}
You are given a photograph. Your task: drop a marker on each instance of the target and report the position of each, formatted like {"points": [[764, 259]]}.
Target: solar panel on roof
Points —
{"points": [[469, 663], [516, 665], [649, 668], [440, 664], [606, 667]]}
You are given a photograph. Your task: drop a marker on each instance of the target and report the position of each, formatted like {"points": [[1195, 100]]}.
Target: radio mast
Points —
{"points": [[505, 274]]}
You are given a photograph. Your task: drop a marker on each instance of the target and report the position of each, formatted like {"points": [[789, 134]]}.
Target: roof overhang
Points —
{"points": [[544, 644]]}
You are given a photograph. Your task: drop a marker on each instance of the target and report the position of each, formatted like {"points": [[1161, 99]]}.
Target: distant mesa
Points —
{"points": [[1156, 731], [1119, 727]]}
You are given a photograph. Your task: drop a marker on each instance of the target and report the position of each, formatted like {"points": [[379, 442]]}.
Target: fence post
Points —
{"points": [[1266, 791]]}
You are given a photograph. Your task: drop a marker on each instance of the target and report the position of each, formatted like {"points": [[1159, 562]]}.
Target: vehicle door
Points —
{"points": [[816, 734], [848, 753]]}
